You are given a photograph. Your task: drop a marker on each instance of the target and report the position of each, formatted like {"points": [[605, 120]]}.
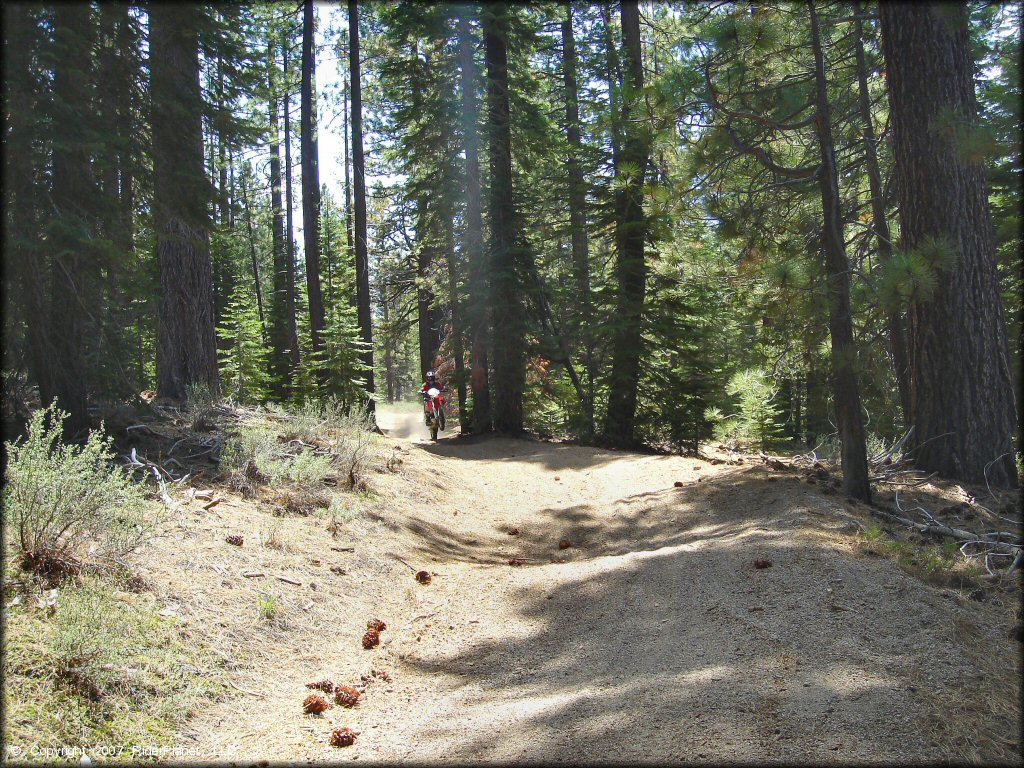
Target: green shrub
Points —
{"points": [[268, 607], [758, 420], [69, 506], [356, 446], [305, 468], [256, 445], [342, 512]]}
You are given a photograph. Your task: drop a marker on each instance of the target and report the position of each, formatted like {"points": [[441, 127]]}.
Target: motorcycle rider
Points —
{"points": [[432, 383]]}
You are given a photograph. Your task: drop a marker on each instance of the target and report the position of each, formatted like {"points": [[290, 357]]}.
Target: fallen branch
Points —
{"points": [[938, 529], [245, 690], [286, 580]]}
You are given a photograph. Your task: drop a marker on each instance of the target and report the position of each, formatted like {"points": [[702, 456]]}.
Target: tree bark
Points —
{"points": [[291, 311], [24, 252], [254, 260], [879, 221], [505, 290], [473, 238], [280, 362], [73, 192], [840, 319], [577, 209], [186, 342], [630, 231], [310, 182], [446, 215], [961, 387], [359, 190], [349, 223]]}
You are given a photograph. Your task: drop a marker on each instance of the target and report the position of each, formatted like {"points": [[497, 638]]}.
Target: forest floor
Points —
{"points": [[586, 605], [652, 637]]}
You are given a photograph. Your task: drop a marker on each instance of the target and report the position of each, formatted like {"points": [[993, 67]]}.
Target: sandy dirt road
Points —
{"points": [[652, 637]]}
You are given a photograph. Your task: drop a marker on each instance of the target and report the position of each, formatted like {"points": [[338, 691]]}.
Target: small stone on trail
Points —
{"points": [[761, 563], [513, 532], [423, 577], [678, 484], [564, 544], [557, 477]]}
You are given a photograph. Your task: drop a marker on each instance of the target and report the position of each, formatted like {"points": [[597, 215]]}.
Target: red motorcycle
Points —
{"points": [[433, 411]]}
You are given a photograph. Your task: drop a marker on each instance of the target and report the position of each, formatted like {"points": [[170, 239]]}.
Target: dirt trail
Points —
{"points": [[655, 640]]}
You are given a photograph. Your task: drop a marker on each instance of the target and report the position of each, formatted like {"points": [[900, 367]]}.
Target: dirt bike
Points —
{"points": [[433, 411]]}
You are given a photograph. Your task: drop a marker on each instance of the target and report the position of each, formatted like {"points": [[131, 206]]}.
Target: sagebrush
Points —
{"points": [[70, 507]]}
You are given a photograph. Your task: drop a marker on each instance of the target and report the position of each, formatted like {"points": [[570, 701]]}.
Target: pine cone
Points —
{"points": [[315, 704], [564, 544], [371, 639], [376, 625], [236, 540], [323, 685], [423, 577], [759, 563], [346, 696], [343, 737]]}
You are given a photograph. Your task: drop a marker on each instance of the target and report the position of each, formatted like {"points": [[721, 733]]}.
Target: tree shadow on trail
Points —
{"points": [[553, 456], [663, 643]]}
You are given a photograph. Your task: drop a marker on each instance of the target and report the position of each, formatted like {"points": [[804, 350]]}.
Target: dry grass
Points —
{"points": [[977, 717]]}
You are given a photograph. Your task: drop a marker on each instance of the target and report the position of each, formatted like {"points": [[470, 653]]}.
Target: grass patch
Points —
{"points": [[100, 669], [268, 608], [939, 564], [303, 449]]}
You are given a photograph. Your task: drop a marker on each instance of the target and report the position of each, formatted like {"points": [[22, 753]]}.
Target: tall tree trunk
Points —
{"points": [[447, 216], [222, 159], [630, 230], [254, 260], [427, 315], [186, 343], [961, 387], [291, 312], [73, 192], [840, 320], [24, 251], [349, 235], [506, 292], [280, 362], [473, 243], [359, 183], [577, 209], [311, 183], [427, 322], [389, 358], [879, 221]]}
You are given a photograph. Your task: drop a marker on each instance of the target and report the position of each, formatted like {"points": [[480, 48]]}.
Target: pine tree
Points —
{"points": [[186, 346], [961, 384]]}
